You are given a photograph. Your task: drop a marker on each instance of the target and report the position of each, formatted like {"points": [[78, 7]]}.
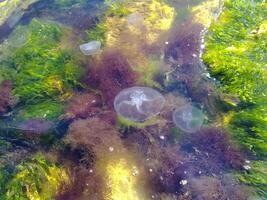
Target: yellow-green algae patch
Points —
{"points": [[36, 178], [206, 12]]}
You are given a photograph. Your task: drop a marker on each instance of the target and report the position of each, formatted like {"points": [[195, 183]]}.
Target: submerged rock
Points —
{"points": [[90, 48], [138, 103], [12, 10], [188, 118]]}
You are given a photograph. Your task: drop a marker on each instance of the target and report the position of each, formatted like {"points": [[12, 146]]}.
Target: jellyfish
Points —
{"points": [[90, 48], [135, 19], [138, 103], [36, 126], [188, 118]]}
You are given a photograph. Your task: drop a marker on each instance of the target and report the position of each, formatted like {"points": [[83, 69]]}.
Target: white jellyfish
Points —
{"points": [[188, 118], [138, 103], [90, 48]]}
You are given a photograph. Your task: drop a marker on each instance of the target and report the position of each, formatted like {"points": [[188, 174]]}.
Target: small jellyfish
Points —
{"points": [[36, 126], [138, 103], [135, 19], [19, 38], [188, 118], [90, 48]]}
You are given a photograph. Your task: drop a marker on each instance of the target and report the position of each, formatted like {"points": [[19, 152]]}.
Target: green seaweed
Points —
{"points": [[48, 110], [148, 73], [43, 70], [249, 127], [97, 33], [35, 178], [236, 50], [117, 8], [236, 54], [256, 177], [6, 74]]}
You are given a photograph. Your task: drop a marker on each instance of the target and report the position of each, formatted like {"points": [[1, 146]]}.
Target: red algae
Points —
{"points": [[112, 74], [216, 143], [184, 43], [6, 98], [95, 135], [83, 105]]}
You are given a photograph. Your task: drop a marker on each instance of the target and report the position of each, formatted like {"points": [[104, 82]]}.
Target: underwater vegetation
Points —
{"points": [[35, 178], [135, 27], [236, 54], [219, 147], [6, 99], [83, 105], [42, 68], [109, 132], [112, 74], [249, 127], [236, 49], [95, 135], [256, 177], [48, 110], [156, 14]]}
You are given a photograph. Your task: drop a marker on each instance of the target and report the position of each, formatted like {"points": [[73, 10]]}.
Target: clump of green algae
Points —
{"points": [[34, 178]]}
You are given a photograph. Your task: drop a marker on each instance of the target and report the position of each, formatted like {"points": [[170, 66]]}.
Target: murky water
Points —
{"points": [[58, 119]]}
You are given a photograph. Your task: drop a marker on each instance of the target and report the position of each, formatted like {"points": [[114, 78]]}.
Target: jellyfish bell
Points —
{"points": [[36, 126], [135, 19], [138, 103], [188, 118], [90, 48]]}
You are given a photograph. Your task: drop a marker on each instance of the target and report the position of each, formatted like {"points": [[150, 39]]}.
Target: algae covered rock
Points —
{"points": [[36, 178], [146, 19], [15, 8], [42, 68]]}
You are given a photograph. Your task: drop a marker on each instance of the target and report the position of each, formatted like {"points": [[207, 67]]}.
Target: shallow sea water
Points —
{"points": [[60, 135]]}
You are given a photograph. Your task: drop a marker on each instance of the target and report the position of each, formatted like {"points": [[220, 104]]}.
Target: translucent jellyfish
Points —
{"points": [[138, 103], [36, 126], [19, 38], [90, 48], [135, 19], [188, 118]]}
